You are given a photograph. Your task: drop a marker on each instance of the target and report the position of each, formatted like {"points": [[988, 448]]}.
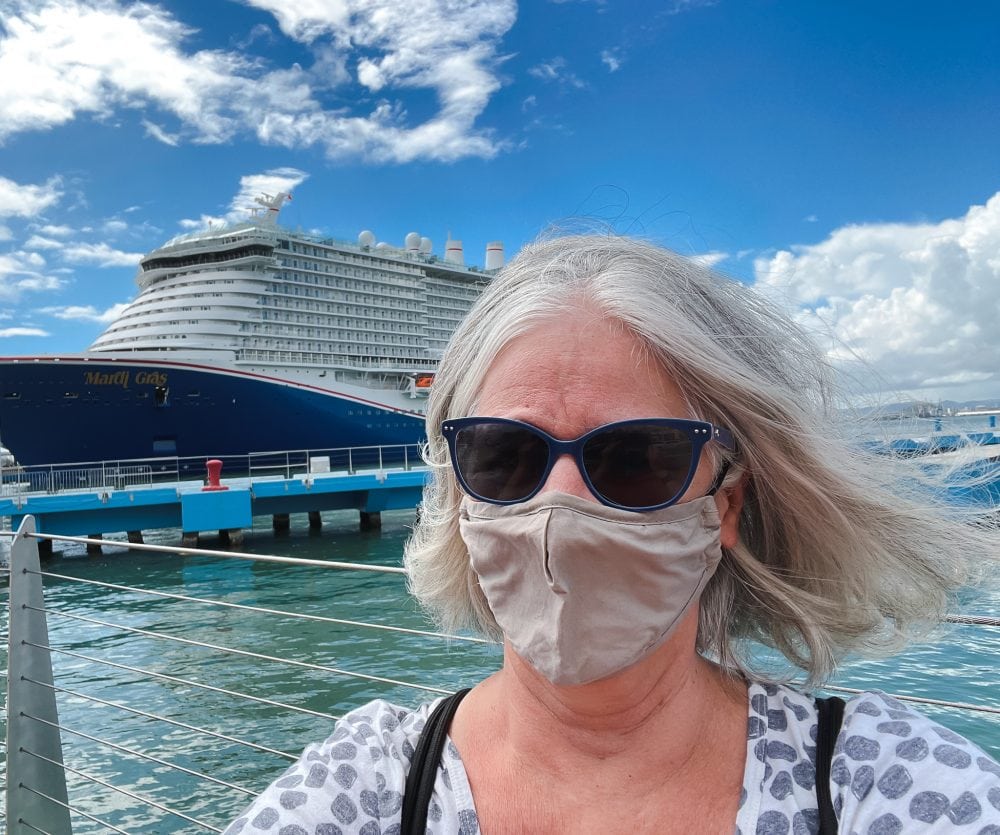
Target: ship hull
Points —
{"points": [[92, 408]]}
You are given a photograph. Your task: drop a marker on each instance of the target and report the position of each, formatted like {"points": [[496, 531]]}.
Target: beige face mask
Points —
{"points": [[582, 590]]}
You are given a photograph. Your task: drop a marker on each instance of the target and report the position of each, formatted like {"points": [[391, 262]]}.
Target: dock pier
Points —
{"points": [[95, 500]]}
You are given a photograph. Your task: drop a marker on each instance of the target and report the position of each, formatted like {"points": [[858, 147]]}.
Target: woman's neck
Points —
{"points": [[614, 715]]}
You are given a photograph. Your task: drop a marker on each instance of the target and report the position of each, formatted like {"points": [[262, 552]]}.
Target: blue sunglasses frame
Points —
{"points": [[698, 433]]}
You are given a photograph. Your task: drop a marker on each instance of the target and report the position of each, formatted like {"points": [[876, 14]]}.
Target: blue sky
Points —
{"points": [[841, 156]]}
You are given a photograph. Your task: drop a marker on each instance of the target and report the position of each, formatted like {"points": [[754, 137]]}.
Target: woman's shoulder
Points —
{"points": [[357, 774], [893, 769], [379, 726], [892, 759]]}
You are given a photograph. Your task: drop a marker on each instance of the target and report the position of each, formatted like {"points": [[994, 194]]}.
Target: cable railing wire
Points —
{"points": [[923, 700], [67, 806], [972, 620], [244, 653], [32, 827], [423, 633], [209, 552], [175, 722], [185, 681], [149, 757], [148, 801]]}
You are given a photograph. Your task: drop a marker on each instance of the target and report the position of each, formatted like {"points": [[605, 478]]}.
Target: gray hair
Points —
{"points": [[835, 553]]}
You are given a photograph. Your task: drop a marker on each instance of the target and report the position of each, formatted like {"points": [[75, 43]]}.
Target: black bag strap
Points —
{"points": [[829, 716], [424, 765]]}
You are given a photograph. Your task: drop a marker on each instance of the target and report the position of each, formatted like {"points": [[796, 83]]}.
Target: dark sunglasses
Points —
{"points": [[642, 464]]}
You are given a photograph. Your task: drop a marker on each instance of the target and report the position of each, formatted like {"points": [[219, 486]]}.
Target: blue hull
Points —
{"points": [[66, 410]]}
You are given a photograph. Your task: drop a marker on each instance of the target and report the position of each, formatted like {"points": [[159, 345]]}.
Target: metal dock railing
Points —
{"points": [[66, 742]]}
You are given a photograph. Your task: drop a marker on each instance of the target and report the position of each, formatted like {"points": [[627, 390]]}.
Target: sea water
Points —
{"points": [[957, 665]]}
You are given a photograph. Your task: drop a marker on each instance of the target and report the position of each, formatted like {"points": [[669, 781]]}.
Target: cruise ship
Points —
{"points": [[250, 338]]}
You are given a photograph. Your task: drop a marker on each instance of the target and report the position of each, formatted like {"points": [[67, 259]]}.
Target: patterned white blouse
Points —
{"points": [[894, 771]]}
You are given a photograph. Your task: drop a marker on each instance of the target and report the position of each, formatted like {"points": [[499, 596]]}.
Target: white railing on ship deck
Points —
{"points": [[38, 799], [18, 482]]}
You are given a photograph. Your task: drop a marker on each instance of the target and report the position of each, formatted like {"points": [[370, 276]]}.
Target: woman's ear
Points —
{"points": [[729, 501]]}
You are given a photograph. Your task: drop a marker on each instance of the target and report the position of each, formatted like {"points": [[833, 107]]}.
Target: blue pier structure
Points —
{"points": [[136, 495], [972, 480]]}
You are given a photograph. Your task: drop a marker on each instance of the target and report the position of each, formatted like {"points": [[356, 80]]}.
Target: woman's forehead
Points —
{"points": [[580, 363]]}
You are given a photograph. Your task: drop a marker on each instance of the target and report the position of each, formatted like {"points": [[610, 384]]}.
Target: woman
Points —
{"points": [[635, 481]]}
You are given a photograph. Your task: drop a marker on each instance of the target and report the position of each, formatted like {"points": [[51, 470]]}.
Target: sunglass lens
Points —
{"points": [[639, 465], [500, 462]]}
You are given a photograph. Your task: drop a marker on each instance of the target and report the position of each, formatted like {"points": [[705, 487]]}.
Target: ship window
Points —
{"points": [[162, 394], [12, 395], [70, 395]]}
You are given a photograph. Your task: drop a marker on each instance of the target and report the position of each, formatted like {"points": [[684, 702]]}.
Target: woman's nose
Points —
{"points": [[567, 478]]}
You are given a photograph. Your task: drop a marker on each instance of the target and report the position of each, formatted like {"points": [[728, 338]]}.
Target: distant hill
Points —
{"points": [[927, 408]]}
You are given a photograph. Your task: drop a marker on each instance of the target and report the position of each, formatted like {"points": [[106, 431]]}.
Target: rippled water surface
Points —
{"points": [[958, 666]]}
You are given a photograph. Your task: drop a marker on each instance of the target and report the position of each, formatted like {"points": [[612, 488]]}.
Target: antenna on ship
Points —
{"points": [[273, 204]]}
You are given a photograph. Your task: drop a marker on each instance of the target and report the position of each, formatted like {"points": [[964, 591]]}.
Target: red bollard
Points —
{"points": [[214, 467]]}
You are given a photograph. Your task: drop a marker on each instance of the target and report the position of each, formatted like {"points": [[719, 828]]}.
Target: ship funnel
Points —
{"points": [[413, 242], [453, 252], [494, 255]]}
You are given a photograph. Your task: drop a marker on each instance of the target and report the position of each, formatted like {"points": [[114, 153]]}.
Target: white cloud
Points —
{"points": [[8, 332], [61, 58], [680, 6], [252, 186], [709, 259], [39, 283], [56, 231], [100, 254], [609, 57], [5, 233], [18, 200], [810, 219], [556, 71], [114, 226], [32, 260], [19, 272], [203, 222], [272, 182], [87, 313], [918, 303], [160, 135], [39, 242]]}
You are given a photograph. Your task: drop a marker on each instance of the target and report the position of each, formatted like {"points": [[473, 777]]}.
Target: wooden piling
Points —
{"points": [[94, 547], [315, 519], [281, 522]]}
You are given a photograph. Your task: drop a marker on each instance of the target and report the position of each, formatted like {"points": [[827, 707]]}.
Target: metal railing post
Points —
{"points": [[27, 811]]}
